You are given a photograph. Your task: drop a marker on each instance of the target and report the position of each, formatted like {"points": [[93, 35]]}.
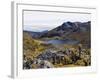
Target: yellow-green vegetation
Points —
{"points": [[82, 37], [76, 58], [32, 47], [66, 45], [52, 38], [80, 62], [65, 55]]}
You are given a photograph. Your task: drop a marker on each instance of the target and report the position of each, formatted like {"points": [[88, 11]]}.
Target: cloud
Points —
{"points": [[40, 21]]}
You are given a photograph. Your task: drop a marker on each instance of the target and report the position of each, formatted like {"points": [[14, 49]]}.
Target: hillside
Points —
{"points": [[67, 45], [67, 31]]}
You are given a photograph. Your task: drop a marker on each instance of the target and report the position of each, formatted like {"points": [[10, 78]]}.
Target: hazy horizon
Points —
{"points": [[41, 21]]}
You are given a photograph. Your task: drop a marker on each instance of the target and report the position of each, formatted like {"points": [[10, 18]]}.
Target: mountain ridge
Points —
{"points": [[80, 31]]}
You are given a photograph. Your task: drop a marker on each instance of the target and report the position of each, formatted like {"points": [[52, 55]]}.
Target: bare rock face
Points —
{"points": [[43, 64], [55, 57]]}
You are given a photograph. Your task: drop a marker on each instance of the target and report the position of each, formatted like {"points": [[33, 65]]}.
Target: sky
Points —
{"points": [[40, 21]]}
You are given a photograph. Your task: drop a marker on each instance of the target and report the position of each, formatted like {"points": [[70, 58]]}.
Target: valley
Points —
{"points": [[67, 45]]}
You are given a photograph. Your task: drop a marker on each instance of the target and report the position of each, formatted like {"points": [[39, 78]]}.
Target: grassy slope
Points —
{"points": [[32, 48]]}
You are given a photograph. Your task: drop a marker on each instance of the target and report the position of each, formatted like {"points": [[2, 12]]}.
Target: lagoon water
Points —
{"points": [[62, 42]]}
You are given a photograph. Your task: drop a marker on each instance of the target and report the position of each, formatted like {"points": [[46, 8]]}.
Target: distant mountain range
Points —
{"points": [[64, 30], [68, 28], [79, 31]]}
